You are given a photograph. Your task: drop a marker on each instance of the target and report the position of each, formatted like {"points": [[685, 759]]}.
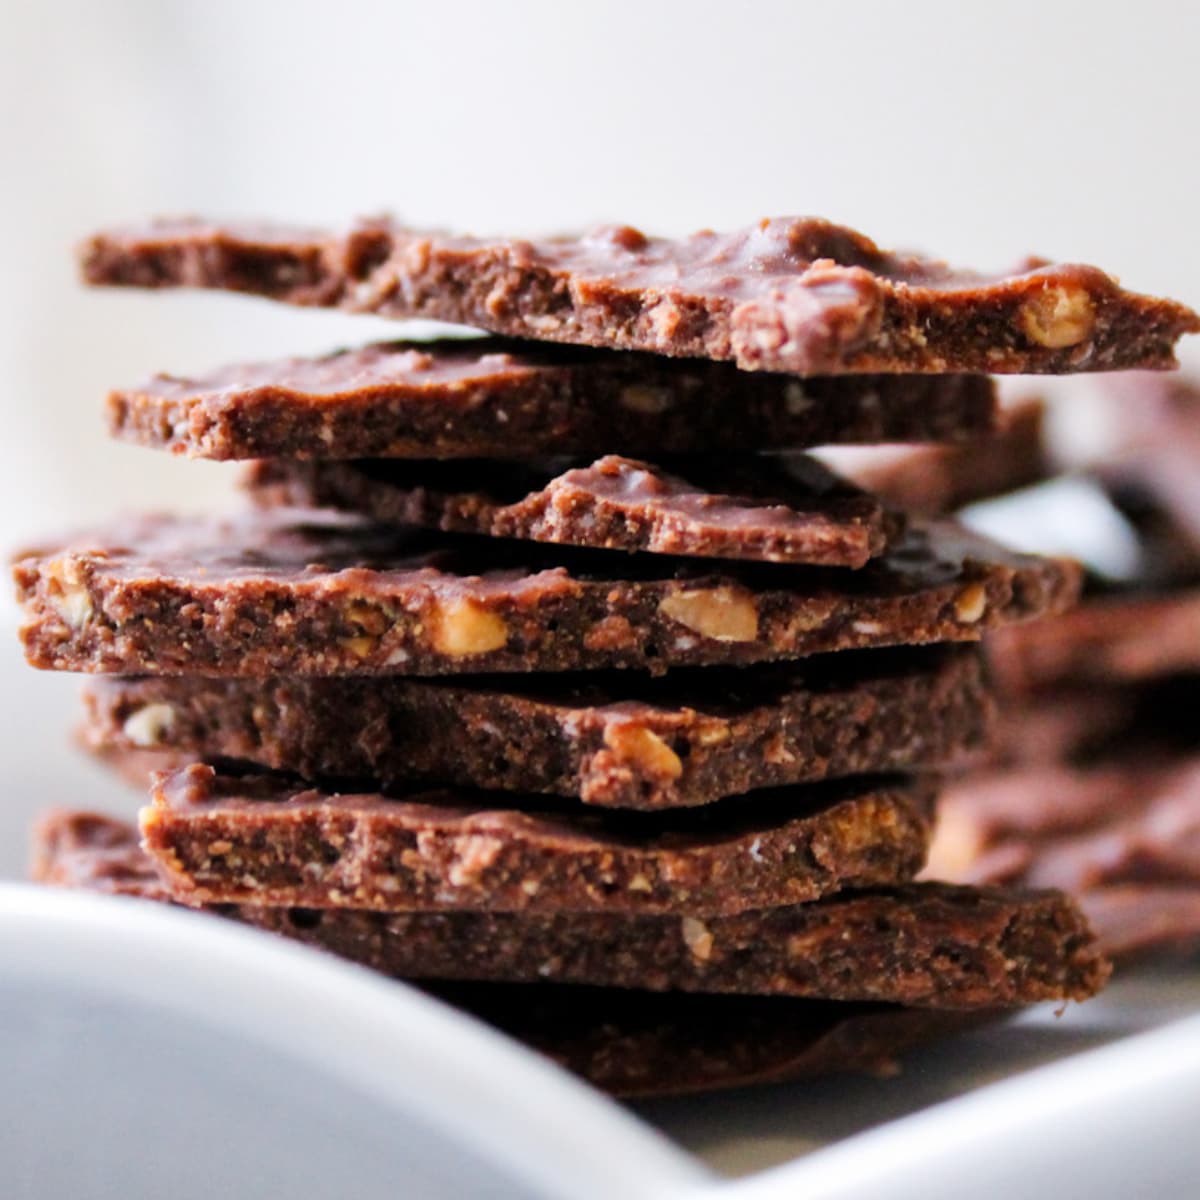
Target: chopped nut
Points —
{"points": [[645, 748], [870, 628], [639, 883], [971, 603], [68, 594], [360, 647], [638, 397], [217, 849], [723, 613], [475, 853], [464, 627], [697, 938], [149, 725], [1056, 317], [367, 617], [713, 734]]}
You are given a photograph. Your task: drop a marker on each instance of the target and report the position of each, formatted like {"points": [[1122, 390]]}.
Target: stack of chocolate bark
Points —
{"points": [[1093, 784], [557, 675]]}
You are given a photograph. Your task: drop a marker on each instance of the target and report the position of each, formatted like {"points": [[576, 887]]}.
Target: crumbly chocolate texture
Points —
{"points": [[259, 839], [630, 1043], [798, 295], [285, 592], [940, 479], [769, 508], [616, 741], [491, 398], [924, 945], [1107, 640]]}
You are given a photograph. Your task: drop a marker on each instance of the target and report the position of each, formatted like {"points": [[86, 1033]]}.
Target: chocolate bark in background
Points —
{"points": [[925, 945], [500, 399], [629, 1042], [260, 839], [620, 741], [939, 479], [1117, 639], [778, 508], [791, 294], [1123, 838], [315, 594]]}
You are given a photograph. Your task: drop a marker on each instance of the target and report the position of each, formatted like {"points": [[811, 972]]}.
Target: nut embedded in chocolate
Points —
{"points": [[791, 294]]}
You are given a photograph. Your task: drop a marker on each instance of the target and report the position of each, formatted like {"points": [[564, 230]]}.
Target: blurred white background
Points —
{"points": [[978, 132]]}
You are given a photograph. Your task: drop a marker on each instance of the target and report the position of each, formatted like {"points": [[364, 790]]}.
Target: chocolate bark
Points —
{"points": [[492, 398], [777, 508], [315, 594], [924, 945], [1075, 828], [686, 739], [1106, 640], [259, 839], [630, 1043], [791, 294], [940, 479]]}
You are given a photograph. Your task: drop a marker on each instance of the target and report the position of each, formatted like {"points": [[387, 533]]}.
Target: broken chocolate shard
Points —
{"points": [[491, 398], [286, 592], [797, 295], [924, 945], [617, 741], [771, 508], [258, 839]]}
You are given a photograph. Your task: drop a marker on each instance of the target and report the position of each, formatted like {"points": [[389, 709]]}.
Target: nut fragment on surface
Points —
{"points": [[148, 726], [723, 613], [68, 594], [645, 748], [641, 398], [463, 627], [971, 603], [1057, 317], [697, 938]]}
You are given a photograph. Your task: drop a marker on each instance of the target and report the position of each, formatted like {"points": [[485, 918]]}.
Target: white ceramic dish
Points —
{"points": [[150, 1052]]}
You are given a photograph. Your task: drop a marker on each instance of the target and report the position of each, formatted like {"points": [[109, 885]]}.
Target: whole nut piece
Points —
{"points": [[149, 725], [463, 627], [644, 747], [971, 603], [722, 613], [68, 594], [1057, 317]]}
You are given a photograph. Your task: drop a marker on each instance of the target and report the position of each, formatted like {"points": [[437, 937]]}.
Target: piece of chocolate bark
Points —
{"points": [[285, 592], [260, 839], [799, 295], [491, 398], [940, 479], [688, 738], [770, 508], [924, 945], [1117, 639], [1075, 828], [628, 1042], [1123, 837]]}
